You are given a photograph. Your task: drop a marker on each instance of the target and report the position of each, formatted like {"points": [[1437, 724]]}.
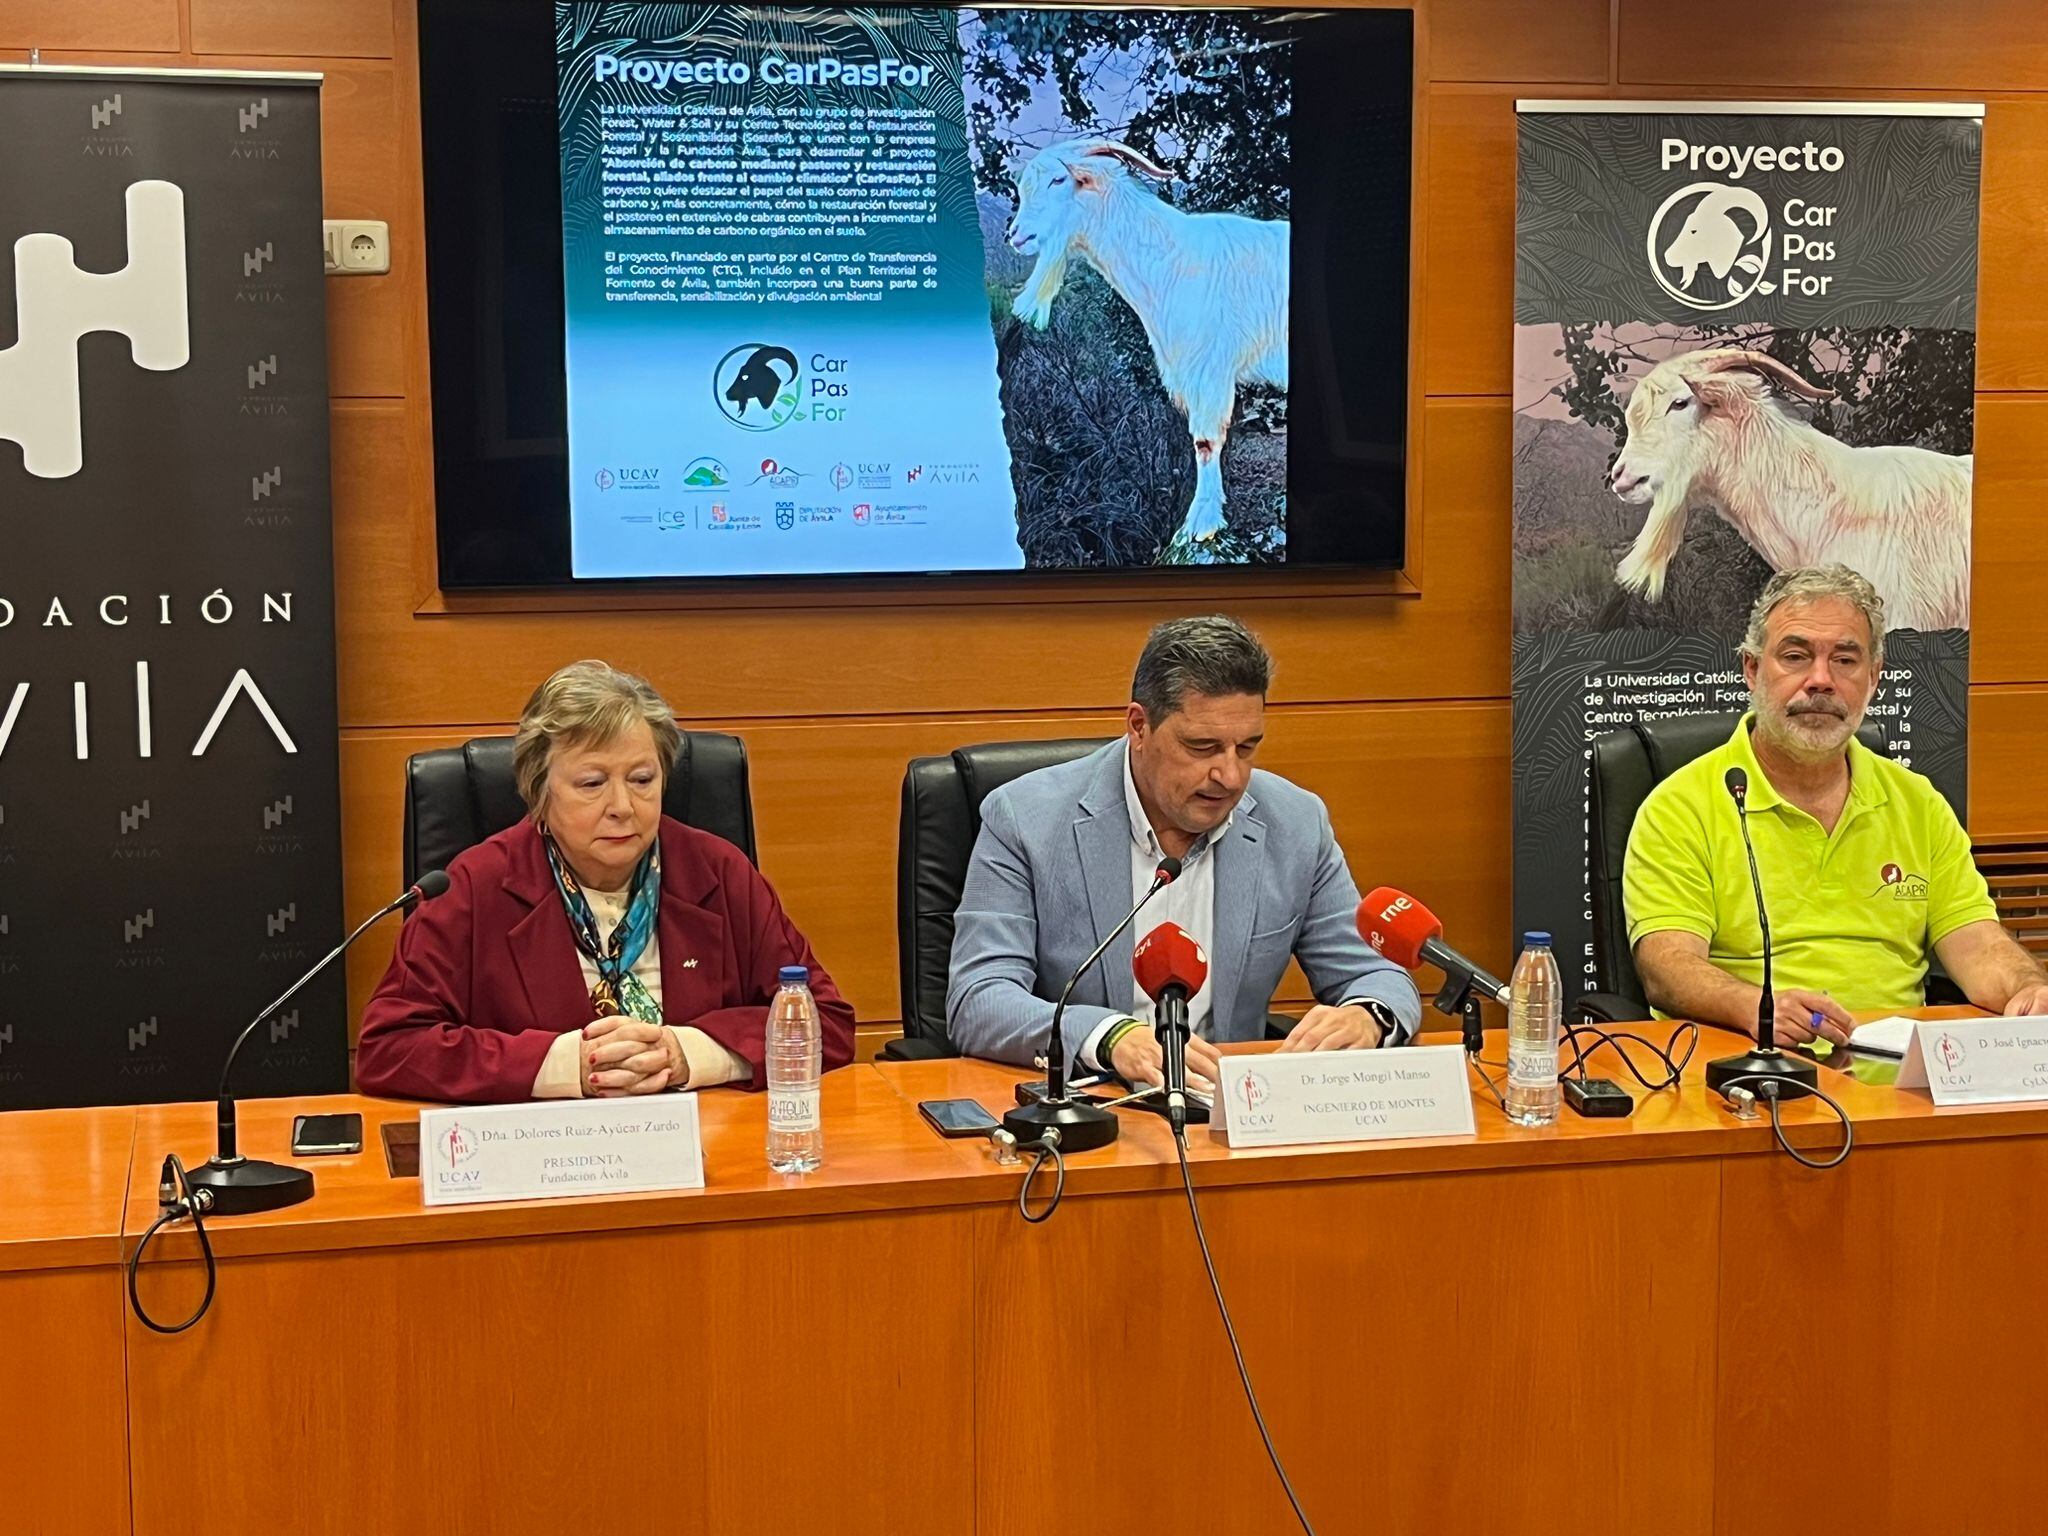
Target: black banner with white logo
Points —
{"points": [[170, 824], [1745, 341]]}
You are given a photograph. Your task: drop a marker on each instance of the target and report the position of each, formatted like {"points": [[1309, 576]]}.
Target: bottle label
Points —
{"points": [[1532, 1068], [792, 1109]]}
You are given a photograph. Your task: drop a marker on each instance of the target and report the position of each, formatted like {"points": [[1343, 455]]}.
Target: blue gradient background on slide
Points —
{"points": [[916, 476]]}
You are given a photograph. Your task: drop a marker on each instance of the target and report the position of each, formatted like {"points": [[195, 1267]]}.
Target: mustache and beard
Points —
{"points": [[1810, 729]]}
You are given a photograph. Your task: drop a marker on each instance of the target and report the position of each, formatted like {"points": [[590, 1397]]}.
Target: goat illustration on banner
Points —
{"points": [[1744, 343]]}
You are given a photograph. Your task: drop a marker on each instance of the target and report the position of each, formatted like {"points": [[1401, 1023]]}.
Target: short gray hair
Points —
{"points": [[1213, 655], [586, 703], [1806, 584]]}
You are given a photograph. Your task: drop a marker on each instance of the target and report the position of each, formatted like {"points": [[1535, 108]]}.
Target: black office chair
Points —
{"points": [[456, 797], [941, 818], [1627, 764]]}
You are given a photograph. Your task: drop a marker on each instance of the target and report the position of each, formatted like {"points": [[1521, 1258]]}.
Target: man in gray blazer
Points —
{"points": [[1065, 851]]}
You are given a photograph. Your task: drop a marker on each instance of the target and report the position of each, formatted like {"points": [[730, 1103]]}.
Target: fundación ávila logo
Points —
{"points": [[756, 386], [145, 301]]}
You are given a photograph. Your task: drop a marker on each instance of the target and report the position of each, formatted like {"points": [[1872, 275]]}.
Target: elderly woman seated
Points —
{"points": [[598, 948]]}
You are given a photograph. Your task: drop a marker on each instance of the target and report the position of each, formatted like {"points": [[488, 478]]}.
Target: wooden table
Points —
{"points": [[1658, 1324], [63, 1410]]}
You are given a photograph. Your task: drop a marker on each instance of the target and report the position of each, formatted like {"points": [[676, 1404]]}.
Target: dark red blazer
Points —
{"points": [[486, 977]]}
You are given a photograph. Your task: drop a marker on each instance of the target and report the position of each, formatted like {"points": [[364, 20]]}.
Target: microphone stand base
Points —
{"points": [[1794, 1074], [244, 1186], [1082, 1124]]}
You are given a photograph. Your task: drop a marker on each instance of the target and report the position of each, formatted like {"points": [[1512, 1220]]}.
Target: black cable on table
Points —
{"points": [[1047, 1151], [1187, 1178], [174, 1208], [1479, 1066], [1777, 1125], [1674, 1063]]}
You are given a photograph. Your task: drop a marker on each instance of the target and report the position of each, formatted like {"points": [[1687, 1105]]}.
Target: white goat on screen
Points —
{"points": [[1210, 288], [1703, 429]]}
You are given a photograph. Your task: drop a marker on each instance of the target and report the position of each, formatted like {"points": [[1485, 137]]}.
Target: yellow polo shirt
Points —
{"points": [[1854, 914]]}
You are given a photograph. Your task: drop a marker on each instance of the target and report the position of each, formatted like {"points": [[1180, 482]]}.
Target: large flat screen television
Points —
{"points": [[747, 291]]}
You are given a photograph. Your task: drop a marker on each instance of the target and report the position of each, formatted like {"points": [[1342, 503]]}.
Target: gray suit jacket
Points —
{"points": [[1051, 874]]}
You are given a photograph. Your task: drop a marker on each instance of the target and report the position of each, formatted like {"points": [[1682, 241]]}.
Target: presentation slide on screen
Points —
{"points": [[860, 291]]}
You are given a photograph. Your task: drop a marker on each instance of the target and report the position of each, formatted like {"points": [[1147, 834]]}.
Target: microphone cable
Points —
{"points": [[1473, 1060], [1048, 1149], [176, 1202], [1771, 1090], [1668, 1053], [1187, 1178]]}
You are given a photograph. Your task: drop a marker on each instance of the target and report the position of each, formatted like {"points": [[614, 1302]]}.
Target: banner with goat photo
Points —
{"points": [[1745, 341], [170, 820]]}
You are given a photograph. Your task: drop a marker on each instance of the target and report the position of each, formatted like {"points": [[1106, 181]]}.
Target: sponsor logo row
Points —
{"points": [[708, 476]]}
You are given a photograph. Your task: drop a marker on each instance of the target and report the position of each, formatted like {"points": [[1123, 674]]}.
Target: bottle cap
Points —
{"points": [[794, 975], [1536, 936]]}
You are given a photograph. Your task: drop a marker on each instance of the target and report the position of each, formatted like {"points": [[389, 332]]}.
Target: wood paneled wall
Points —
{"points": [[1391, 699]]}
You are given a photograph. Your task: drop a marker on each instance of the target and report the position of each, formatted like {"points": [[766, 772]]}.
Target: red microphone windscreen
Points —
{"points": [[1169, 956], [1397, 925]]}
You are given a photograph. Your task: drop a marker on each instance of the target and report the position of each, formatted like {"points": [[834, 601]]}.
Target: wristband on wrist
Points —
{"points": [[1109, 1041]]}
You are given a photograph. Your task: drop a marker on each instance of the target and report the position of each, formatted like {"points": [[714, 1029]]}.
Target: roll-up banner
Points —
{"points": [[1745, 341], [169, 810]]}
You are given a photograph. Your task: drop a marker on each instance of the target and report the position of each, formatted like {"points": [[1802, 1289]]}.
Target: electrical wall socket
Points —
{"points": [[357, 247]]}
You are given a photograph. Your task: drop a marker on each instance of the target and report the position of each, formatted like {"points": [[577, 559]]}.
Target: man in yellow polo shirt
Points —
{"points": [[1865, 869]]}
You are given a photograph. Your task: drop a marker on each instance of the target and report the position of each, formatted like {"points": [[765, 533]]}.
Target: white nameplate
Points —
{"points": [[1979, 1061], [1285, 1100], [560, 1147]]}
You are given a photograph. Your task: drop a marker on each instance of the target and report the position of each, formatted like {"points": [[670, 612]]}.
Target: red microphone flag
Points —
{"points": [[1397, 925], [1168, 956]]}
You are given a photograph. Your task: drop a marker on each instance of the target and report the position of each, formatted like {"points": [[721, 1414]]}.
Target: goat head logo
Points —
{"points": [[756, 386], [1707, 224]]}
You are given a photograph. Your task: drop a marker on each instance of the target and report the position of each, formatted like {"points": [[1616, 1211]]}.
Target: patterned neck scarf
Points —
{"points": [[618, 990]]}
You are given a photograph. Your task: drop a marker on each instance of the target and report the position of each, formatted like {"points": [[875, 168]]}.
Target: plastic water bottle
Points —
{"points": [[796, 1138], [1535, 1017]]}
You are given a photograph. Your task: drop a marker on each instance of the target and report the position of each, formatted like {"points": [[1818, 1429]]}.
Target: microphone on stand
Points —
{"points": [[1409, 934], [1795, 1074], [1081, 1125], [236, 1185], [1171, 967]]}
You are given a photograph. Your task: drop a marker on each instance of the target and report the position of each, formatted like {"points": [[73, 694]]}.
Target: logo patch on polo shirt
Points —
{"points": [[1903, 886]]}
